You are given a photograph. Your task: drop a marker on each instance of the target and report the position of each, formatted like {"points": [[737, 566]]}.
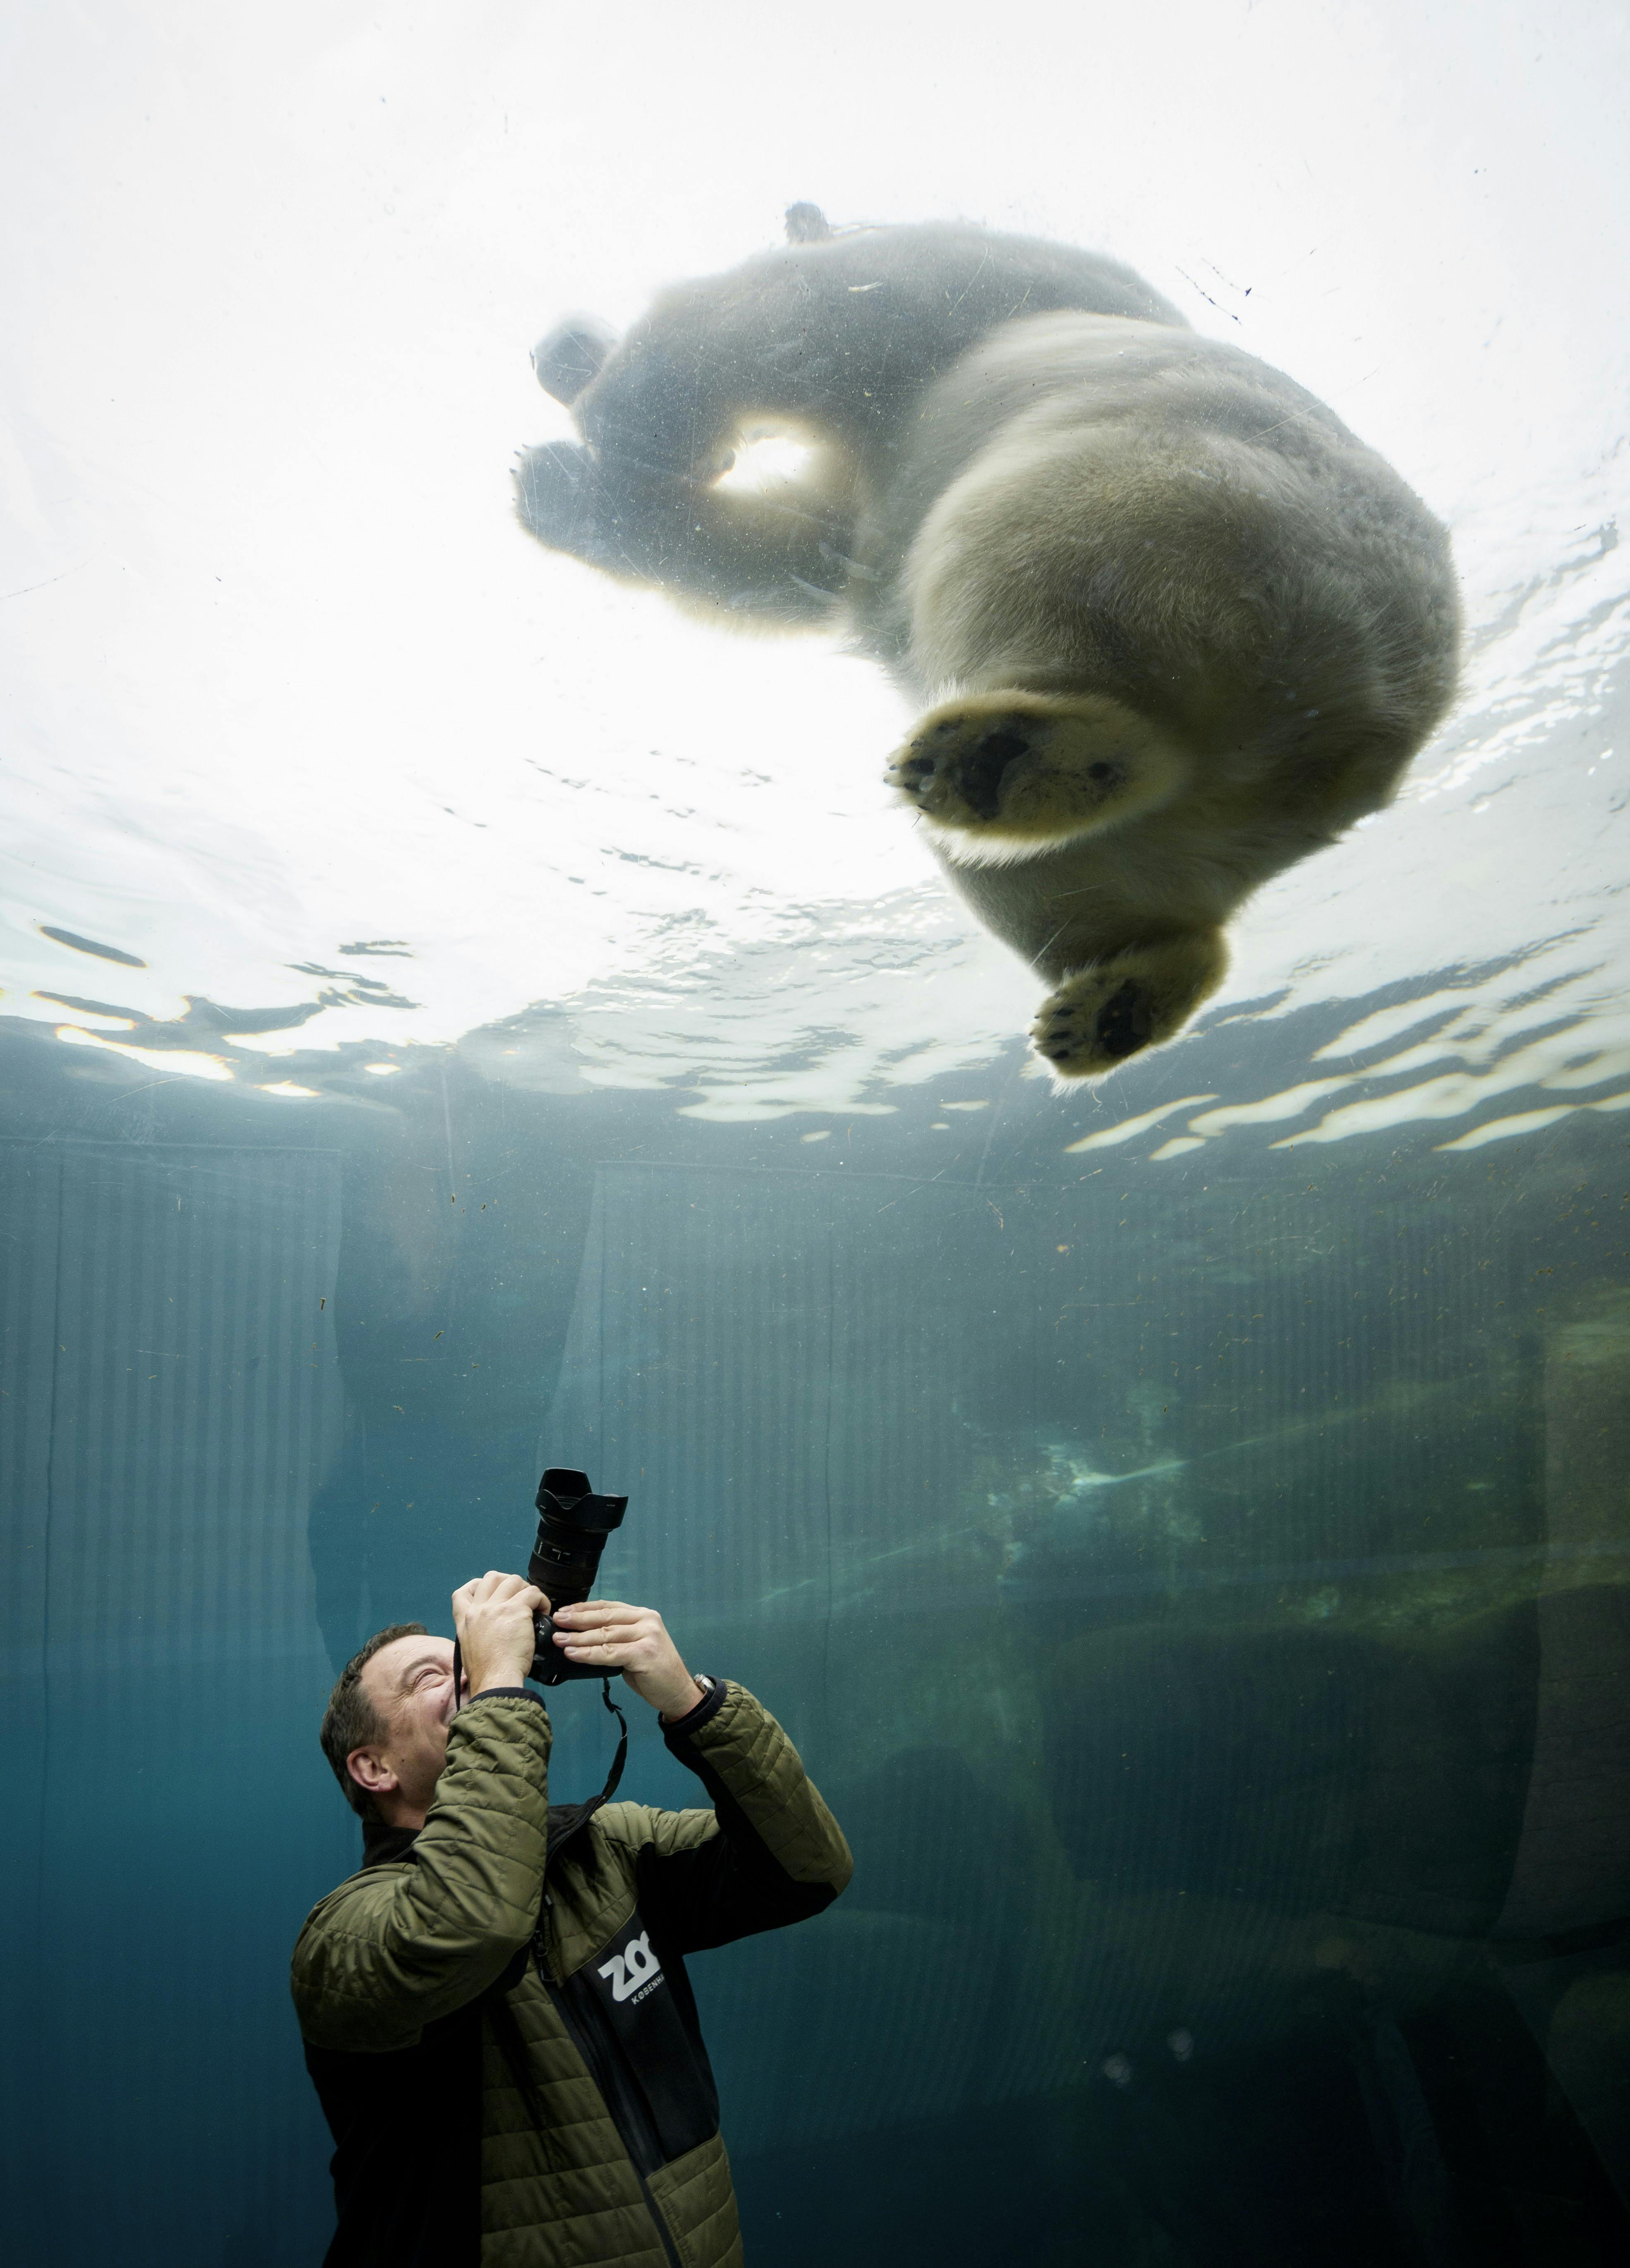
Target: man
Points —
{"points": [[496, 2009]]}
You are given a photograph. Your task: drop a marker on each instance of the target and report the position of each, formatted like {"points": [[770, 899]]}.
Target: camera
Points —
{"points": [[574, 1524]]}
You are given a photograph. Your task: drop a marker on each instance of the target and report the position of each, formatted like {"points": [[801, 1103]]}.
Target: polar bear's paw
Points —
{"points": [[557, 498], [1129, 1001], [568, 360], [1009, 769]]}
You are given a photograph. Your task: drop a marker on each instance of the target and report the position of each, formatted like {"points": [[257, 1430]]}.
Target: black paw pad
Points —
{"points": [[979, 773], [1126, 1020]]}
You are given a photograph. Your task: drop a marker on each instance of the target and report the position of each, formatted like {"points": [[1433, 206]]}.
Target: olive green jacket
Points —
{"points": [[497, 2014]]}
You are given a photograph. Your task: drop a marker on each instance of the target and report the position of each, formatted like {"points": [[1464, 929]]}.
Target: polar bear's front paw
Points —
{"points": [[1129, 1001], [1034, 767], [568, 360], [557, 497]]}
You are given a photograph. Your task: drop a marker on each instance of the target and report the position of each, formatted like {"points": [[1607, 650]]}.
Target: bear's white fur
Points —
{"points": [[1173, 625]]}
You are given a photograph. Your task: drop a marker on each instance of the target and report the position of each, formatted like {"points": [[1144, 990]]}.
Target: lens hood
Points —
{"points": [[565, 1496]]}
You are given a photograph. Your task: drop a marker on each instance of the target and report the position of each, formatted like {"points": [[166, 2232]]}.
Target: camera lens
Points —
{"points": [[574, 1524]]}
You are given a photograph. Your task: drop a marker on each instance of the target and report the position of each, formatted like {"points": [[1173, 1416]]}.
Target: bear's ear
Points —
{"points": [[573, 355], [807, 224]]}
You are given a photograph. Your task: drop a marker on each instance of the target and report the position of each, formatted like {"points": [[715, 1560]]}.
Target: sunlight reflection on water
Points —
{"points": [[292, 706]]}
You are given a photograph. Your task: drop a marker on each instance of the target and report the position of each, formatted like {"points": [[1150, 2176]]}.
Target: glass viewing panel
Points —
{"points": [[477, 998]]}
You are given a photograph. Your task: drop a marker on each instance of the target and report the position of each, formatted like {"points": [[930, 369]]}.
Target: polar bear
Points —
{"points": [[1170, 625]]}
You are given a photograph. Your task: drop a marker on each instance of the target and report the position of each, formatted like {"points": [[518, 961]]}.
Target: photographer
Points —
{"points": [[495, 2010]]}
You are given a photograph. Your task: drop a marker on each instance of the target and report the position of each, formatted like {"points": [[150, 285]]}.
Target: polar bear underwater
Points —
{"points": [[1172, 627]]}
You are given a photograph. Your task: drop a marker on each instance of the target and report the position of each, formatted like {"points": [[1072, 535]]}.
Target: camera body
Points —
{"points": [[574, 1524]]}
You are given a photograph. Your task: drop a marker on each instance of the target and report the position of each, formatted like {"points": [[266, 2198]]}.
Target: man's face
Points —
{"points": [[409, 1683]]}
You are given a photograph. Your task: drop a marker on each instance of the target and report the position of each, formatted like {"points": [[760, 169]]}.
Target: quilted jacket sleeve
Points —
{"points": [[768, 1853], [398, 1946]]}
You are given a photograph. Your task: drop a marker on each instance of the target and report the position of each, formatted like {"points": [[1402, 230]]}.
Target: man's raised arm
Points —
{"points": [[770, 1851], [398, 1946]]}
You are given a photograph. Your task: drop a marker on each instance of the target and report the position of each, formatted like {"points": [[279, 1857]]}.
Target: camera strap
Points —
{"points": [[620, 1758]]}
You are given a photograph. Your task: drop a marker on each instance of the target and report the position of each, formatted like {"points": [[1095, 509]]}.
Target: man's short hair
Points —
{"points": [[350, 1719]]}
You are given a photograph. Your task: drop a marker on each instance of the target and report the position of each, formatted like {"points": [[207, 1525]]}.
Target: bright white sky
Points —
{"points": [[284, 675]]}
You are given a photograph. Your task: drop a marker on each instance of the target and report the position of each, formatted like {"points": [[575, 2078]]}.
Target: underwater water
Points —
{"points": [[461, 1013]]}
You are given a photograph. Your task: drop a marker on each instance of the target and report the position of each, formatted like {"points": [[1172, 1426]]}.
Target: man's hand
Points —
{"points": [[633, 1640], [493, 1618]]}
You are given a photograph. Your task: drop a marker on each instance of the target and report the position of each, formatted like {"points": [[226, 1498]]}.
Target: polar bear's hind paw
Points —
{"points": [[951, 759], [1133, 1000], [1034, 768], [1083, 1036]]}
